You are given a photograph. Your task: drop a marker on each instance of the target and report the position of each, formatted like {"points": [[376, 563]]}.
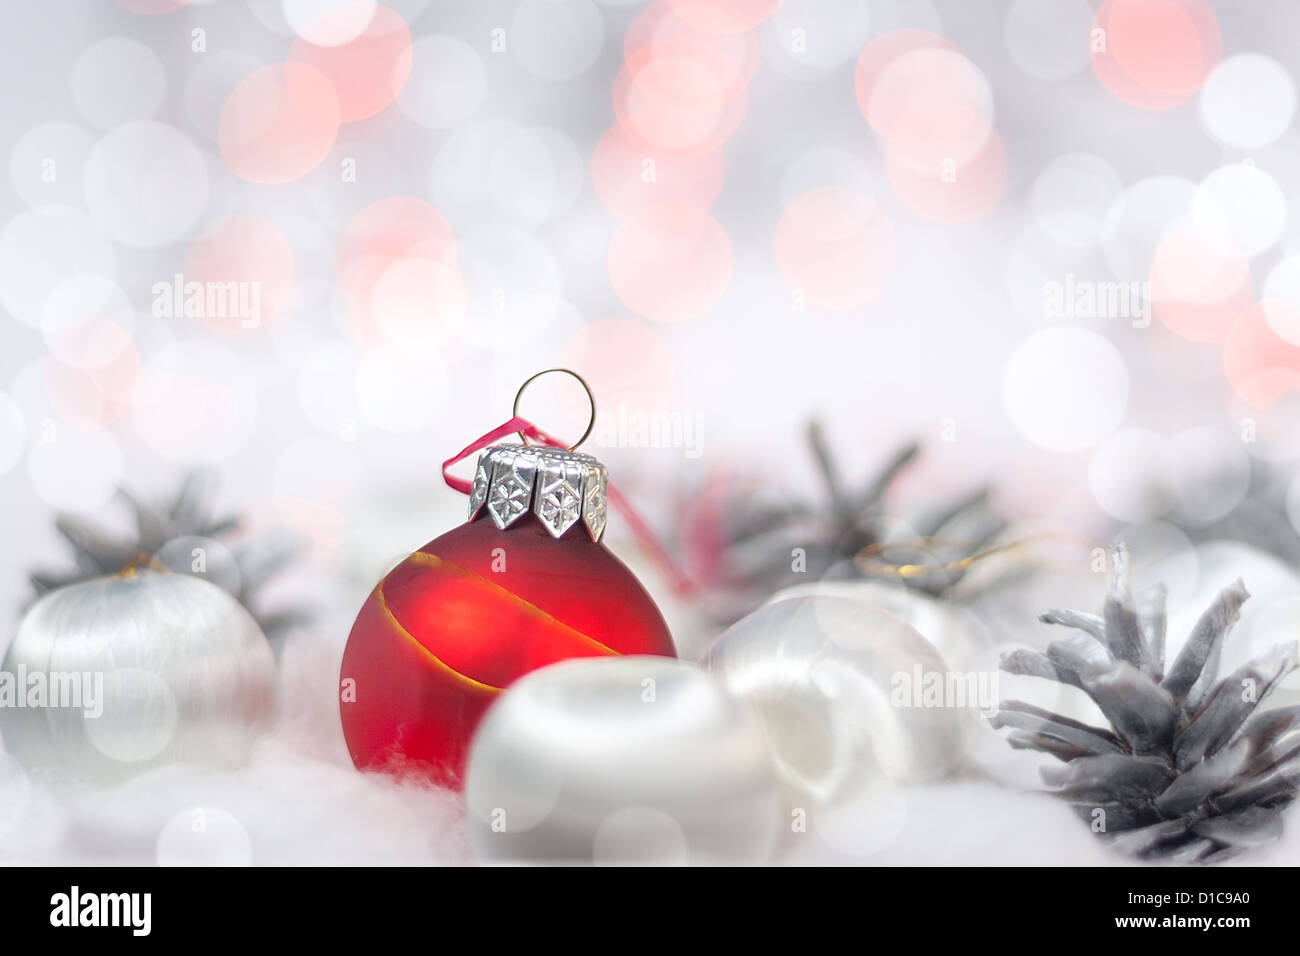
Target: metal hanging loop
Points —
{"points": [[585, 387]]}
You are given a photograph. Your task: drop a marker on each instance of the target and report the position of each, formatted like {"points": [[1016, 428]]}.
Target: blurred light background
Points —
{"points": [[1049, 239]]}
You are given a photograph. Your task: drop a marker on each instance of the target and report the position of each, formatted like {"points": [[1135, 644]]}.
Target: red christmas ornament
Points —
{"points": [[524, 583]]}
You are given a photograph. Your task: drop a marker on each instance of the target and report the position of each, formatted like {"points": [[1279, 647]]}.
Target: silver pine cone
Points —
{"points": [[759, 529], [189, 513], [1191, 769]]}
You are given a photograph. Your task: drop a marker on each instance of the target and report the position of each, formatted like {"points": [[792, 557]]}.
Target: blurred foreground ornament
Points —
{"points": [[525, 582], [954, 630], [1190, 769], [112, 676], [851, 697], [740, 545], [184, 536], [623, 760]]}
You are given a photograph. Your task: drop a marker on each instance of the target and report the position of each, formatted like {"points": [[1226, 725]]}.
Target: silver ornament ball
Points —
{"points": [[832, 679], [138, 670]]}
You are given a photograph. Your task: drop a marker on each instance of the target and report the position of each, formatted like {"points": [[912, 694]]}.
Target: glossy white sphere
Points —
{"points": [[632, 759]]}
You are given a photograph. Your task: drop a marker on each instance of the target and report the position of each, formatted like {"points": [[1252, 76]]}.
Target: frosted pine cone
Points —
{"points": [[1190, 768]]}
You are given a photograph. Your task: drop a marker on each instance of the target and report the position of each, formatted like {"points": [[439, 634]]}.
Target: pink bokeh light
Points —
{"points": [[885, 49], [725, 16], [101, 394], [152, 8], [676, 101], [368, 71], [279, 123], [250, 252], [936, 186], [627, 174], [660, 30], [670, 262], [1198, 288], [385, 234], [683, 82], [1261, 367], [928, 97], [1154, 54], [836, 247], [629, 366]]}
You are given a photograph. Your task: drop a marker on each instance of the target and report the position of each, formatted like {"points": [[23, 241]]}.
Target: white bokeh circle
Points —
{"points": [[1248, 101], [1210, 473], [270, 15], [1048, 39], [13, 432], [147, 184], [355, 174], [117, 80], [556, 39], [1240, 209], [87, 322], [1070, 196], [210, 85], [48, 162], [569, 170], [1128, 475], [324, 393], [75, 466], [447, 84], [1065, 388], [1274, 430], [807, 39], [513, 285], [1280, 299], [314, 315], [495, 170], [1139, 219], [400, 391], [826, 167], [328, 22], [40, 249]]}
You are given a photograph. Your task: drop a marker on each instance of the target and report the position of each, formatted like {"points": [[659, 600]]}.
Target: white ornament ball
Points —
{"points": [[109, 677], [956, 632], [628, 759], [839, 686]]}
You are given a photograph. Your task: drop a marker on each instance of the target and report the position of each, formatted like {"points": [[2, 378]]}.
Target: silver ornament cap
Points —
{"points": [[560, 487]]}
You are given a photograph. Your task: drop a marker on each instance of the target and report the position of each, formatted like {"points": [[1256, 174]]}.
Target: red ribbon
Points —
{"points": [[640, 530], [515, 424]]}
